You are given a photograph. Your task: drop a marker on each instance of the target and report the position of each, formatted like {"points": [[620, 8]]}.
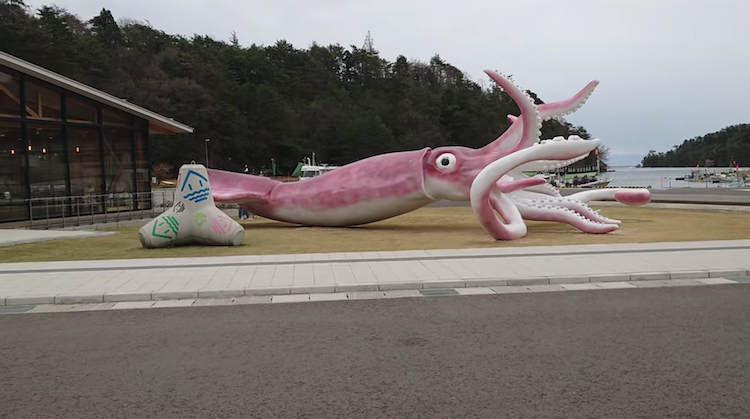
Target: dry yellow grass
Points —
{"points": [[427, 228]]}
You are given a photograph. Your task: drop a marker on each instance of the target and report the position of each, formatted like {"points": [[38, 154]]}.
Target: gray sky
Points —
{"points": [[669, 69]]}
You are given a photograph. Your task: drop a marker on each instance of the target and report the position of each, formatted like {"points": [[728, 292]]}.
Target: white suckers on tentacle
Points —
{"points": [[485, 194], [535, 202], [511, 138]]}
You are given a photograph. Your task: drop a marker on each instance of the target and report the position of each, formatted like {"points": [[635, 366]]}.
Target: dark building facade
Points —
{"points": [[69, 149]]}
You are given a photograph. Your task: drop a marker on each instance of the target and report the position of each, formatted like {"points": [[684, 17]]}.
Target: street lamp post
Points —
{"points": [[206, 142]]}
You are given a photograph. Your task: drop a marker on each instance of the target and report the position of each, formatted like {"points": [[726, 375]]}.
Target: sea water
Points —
{"points": [[665, 177]]}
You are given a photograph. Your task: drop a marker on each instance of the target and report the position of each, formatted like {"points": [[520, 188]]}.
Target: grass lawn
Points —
{"points": [[427, 228]]}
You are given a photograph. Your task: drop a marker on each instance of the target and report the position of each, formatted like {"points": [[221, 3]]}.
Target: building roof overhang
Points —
{"points": [[158, 124]]}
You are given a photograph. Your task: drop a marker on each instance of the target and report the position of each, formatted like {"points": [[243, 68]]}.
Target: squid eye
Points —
{"points": [[445, 161]]}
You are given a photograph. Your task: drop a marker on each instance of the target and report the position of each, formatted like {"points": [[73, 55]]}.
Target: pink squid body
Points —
{"points": [[362, 192]]}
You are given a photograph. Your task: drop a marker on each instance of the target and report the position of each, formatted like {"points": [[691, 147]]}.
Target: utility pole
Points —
{"points": [[368, 46]]}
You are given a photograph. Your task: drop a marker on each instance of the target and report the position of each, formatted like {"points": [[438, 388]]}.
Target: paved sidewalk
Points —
{"points": [[12, 237], [224, 277]]}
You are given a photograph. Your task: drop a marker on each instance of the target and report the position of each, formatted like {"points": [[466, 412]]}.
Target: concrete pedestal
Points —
{"points": [[194, 219]]}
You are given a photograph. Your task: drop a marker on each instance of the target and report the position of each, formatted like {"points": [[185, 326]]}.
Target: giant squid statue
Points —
{"points": [[491, 178]]}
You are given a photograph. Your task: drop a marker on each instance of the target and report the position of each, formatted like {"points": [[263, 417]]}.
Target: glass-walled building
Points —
{"points": [[62, 141]]}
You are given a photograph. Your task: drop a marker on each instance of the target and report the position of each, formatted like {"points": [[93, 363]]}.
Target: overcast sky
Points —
{"points": [[669, 69]]}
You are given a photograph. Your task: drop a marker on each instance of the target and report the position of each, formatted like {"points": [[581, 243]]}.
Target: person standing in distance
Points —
{"points": [[244, 214]]}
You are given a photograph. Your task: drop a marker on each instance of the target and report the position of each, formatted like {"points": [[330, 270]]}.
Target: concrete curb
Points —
{"points": [[665, 200], [386, 286], [691, 206]]}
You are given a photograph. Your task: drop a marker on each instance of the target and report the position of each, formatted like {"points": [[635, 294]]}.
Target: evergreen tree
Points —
{"points": [[260, 103], [727, 147]]}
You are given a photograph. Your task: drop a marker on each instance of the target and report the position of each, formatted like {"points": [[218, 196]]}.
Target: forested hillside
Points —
{"points": [[259, 103], [728, 147]]}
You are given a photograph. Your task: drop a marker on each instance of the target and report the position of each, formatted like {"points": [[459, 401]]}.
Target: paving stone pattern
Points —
{"points": [[366, 295], [433, 272]]}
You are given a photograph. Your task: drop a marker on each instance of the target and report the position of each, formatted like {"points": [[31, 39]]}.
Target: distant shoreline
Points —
{"points": [[674, 167]]}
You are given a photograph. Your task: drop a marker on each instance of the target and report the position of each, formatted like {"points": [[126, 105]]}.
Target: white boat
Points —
{"points": [[597, 183], [311, 170]]}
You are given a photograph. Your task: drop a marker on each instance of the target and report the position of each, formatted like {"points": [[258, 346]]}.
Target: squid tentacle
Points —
{"points": [[514, 226], [565, 215], [541, 165], [508, 186], [621, 195], [485, 196], [511, 138], [579, 207], [568, 106], [552, 204], [482, 187], [544, 189], [532, 120]]}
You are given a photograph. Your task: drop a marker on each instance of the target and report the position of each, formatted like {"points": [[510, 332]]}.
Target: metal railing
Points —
{"points": [[70, 211]]}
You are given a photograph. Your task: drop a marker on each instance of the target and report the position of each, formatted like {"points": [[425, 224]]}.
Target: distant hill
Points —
{"points": [[724, 148]]}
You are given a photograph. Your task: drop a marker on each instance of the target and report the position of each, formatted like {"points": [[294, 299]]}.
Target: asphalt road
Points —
{"points": [[638, 353]]}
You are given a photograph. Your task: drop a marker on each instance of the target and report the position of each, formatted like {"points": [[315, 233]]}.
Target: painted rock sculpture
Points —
{"points": [[194, 219]]}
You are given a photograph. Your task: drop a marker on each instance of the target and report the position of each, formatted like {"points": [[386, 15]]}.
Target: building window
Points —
{"points": [[118, 161], [42, 103], [85, 170], [143, 180], [47, 164], [9, 94], [140, 124], [85, 162], [115, 117], [13, 192], [47, 169], [79, 110]]}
